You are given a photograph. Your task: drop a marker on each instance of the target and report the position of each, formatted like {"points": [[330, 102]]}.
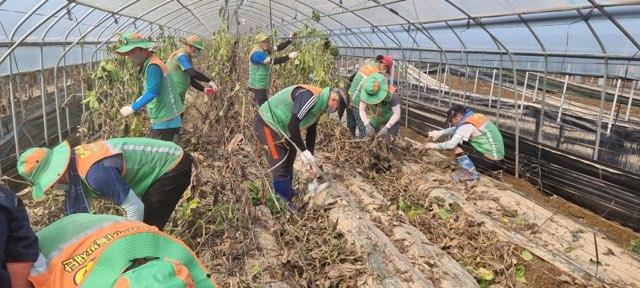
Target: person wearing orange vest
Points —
{"points": [[383, 66], [161, 98], [18, 243], [146, 177], [183, 71], [86, 250], [277, 127], [472, 127]]}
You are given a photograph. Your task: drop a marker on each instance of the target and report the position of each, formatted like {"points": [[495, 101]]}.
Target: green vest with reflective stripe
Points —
{"points": [[380, 113], [168, 104], [145, 160], [259, 75], [276, 112], [490, 142], [181, 79]]}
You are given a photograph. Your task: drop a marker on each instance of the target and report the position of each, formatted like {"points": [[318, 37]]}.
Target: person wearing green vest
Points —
{"points": [[379, 100], [146, 177], [184, 73], [383, 66], [277, 127], [160, 97], [260, 65], [472, 127], [95, 251]]}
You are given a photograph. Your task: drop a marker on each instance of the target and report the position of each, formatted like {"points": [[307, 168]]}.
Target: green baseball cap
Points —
{"points": [[194, 41], [132, 40], [375, 89], [43, 167]]}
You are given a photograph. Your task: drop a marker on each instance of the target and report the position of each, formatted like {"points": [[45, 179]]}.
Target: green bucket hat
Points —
{"points": [[146, 258], [43, 167], [194, 41], [375, 89], [261, 37], [133, 40]]}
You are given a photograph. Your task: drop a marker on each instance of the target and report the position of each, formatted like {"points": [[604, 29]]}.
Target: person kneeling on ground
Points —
{"points": [[85, 250], [472, 127], [18, 244], [379, 100], [124, 170], [277, 127]]}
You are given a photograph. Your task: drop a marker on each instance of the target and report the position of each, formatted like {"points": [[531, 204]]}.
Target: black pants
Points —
{"points": [[259, 96], [280, 153], [170, 134], [162, 197]]}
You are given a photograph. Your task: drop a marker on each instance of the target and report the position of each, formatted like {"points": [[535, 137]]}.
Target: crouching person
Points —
{"points": [[472, 127], [85, 250], [146, 177]]}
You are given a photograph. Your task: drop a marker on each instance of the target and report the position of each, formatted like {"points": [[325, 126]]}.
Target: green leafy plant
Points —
{"points": [[520, 274]]}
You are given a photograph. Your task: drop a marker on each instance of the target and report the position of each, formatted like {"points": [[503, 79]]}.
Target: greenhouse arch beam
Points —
{"points": [[544, 79], [195, 16], [604, 84]]}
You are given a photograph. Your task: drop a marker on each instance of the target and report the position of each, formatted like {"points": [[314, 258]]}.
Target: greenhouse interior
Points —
{"points": [[448, 143]]}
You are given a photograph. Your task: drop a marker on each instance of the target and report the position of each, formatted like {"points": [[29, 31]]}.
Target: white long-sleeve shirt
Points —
{"points": [[395, 108]]}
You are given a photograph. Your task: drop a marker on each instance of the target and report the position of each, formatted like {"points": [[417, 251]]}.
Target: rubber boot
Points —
{"points": [[282, 186], [468, 172]]}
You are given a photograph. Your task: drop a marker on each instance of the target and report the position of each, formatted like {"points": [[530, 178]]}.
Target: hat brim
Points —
{"points": [[116, 258], [56, 166], [124, 50], [199, 46], [376, 98]]}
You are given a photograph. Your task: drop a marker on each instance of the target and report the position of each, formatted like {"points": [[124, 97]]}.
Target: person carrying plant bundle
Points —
{"points": [[163, 102], [260, 65], [182, 70], [18, 244], [379, 100], [277, 127], [85, 250], [382, 66], [146, 177], [472, 127]]}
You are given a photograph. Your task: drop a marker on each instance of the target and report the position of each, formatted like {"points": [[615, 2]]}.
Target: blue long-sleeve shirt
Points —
{"points": [[153, 86]]}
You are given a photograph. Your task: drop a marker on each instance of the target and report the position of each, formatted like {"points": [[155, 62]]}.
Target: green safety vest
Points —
{"points": [[181, 79], [358, 82], [168, 104], [381, 112], [259, 75], [145, 160], [490, 142], [276, 112]]}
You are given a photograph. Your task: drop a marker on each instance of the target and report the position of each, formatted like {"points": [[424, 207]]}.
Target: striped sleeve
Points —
{"points": [[303, 101]]}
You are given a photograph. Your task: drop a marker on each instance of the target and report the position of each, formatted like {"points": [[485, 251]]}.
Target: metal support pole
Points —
{"points": [[13, 109], [524, 91], [564, 93], [613, 106], [446, 71], [43, 96], [475, 83], [493, 80], [633, 86], [535, 95]]}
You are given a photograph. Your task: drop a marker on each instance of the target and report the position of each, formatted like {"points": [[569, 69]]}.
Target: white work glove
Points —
{"points": [[293, 55], [133, 206], [384, 131], [430, 146], [126, 111], [369, 130], [435, 134], [310, 161]]}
